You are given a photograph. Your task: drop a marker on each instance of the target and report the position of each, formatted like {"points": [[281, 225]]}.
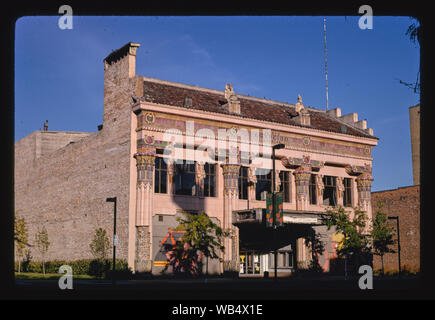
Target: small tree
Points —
{"points": [[42, 244], [203, 236], [100, 245], [21, 239], [355, 241], [382, 235]]}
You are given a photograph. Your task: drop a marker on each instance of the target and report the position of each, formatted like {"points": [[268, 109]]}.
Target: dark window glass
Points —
{"points": [[313, 190], [347, 197], [243, 183], [284, 176], [210, 180], [330, 192], [264, 182], [184, 178], [160, 176]]}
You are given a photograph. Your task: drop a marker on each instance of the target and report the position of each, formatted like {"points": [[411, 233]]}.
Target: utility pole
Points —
{"points": [[326, 62], [277, 146], [398, 241], [115, 237]]}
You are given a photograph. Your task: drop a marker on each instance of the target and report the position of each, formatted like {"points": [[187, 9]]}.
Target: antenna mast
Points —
{"points": [[326, 62]]}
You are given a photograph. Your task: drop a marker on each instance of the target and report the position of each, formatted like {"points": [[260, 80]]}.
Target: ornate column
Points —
{"points": [[145, 163], [340, 191], [364, 183], [252, 180], [171, 173], [231, 195], [199, 178], [319, 188]]}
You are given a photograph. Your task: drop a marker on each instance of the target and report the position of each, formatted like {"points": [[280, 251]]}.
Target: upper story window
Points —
{"points": [[284, 176], [330, 191], [313, 189], [210, 180], [184, 178], [347, 196], [264, 183], [243, 183], [160, 176]]}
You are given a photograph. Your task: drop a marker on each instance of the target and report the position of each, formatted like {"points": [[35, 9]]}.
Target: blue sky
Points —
{"points": [[59, 73]]}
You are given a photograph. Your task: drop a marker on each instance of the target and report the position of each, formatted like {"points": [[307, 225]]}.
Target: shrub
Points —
{"points": [[93, 267]]}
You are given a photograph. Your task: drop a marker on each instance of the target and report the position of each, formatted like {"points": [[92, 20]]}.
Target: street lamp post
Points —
{"points": [[398, 240], [277, 146], [114, 237]]}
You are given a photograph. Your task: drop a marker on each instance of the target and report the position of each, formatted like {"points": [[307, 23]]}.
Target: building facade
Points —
{"points": [[166, 147], [414, 124], [404, 203]]}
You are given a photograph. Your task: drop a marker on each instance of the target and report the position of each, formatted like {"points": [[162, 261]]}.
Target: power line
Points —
{"points": [[326, 62]]}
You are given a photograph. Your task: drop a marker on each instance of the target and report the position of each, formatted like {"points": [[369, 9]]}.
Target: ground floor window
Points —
{"points": [[250, 262], [284, 259]]}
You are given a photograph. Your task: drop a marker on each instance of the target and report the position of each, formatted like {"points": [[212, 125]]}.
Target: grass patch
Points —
{"points": [[49, 276]]}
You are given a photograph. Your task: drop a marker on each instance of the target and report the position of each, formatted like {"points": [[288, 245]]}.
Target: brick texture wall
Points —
{"points": [[404, 203], [66, 186]]}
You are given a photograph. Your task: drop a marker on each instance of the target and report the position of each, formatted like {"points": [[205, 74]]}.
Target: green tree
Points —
{"points": [[20, 239], [202, 238], [355, 240], [42, 244], [100, 245], [382, 235]]}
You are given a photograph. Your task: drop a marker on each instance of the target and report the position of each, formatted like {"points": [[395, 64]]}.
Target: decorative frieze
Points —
{"points": [[291, 162], [356, 170]]}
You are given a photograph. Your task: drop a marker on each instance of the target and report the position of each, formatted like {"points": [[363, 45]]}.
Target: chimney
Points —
{"points": [[187, 102], [233, 103], [336, 112], [352, 119], [121, 84], [129, 51], [46, 125], [303, 117]]}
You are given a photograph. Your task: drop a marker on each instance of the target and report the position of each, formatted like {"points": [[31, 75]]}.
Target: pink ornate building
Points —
{"points": [[148, 154]]}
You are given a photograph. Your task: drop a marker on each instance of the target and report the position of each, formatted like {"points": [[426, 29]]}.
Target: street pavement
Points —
{"points": [[219, 288]]}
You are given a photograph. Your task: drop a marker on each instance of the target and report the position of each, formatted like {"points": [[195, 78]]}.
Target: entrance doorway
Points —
{"points": [[250, 263]]}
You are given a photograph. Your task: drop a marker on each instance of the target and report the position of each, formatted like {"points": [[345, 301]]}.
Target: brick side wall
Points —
{"points": [[404, 203], [66, 189]]}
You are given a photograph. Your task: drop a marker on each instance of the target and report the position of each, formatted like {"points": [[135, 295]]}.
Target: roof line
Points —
{"points": [[198, 88]]}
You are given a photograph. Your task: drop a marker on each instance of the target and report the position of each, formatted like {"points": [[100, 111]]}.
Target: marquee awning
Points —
{"points": [[257, 216]]}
